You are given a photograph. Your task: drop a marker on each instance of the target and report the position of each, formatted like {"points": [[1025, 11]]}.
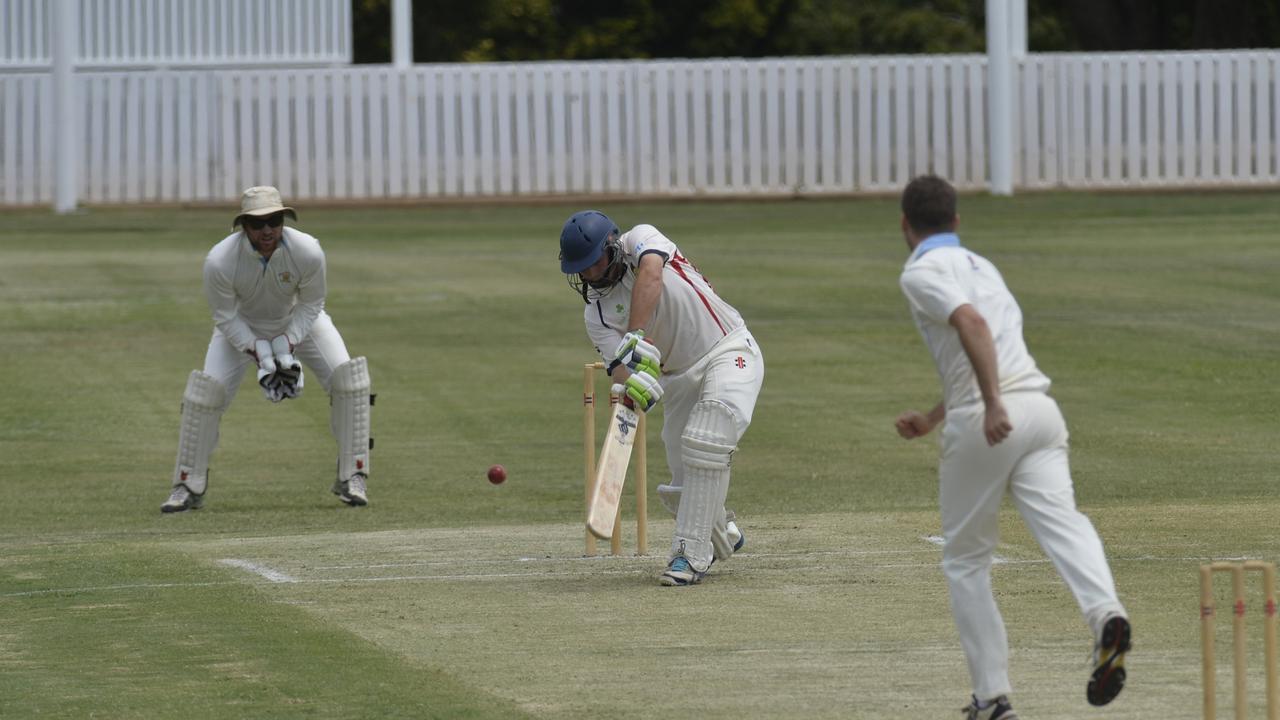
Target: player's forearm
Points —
{"points": [[304, 316], [230, 324], [980, 347], [645, 294], [937, 414], [310, 302]]}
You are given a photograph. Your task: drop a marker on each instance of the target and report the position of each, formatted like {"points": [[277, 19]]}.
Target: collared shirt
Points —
{"points": [[936, 241], [253, 298], [690, 317], [940, 278]]}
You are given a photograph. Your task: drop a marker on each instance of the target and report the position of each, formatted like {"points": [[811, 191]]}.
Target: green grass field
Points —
{"points": [[1157, 316]]}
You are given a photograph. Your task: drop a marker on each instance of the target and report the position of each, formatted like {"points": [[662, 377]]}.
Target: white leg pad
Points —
{"points": [[709, 440], [202, 405], [349, 402]]}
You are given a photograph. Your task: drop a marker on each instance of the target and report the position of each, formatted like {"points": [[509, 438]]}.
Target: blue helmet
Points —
{"points": [[583, 240]]}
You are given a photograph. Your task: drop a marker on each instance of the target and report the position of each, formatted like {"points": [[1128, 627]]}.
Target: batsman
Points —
{"points": [[666, 335], [265, 284]]}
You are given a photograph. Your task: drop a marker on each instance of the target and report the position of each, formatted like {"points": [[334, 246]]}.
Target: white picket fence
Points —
{"points": [[181, 33], [659, 128]]}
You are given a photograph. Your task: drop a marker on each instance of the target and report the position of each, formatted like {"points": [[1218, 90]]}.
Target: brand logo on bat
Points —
{"points": [[624, 425]]}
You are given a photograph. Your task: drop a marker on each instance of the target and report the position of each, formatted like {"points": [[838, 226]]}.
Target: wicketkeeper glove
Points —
{"points": [[637, 354], [266, 360], [288, 369], [643, 389]]}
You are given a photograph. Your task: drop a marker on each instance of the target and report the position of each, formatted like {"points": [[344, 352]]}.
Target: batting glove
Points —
{"points": [[643, 389], [637, 354]]}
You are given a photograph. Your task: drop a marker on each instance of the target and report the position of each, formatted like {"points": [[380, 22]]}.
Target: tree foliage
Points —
{"points": [[515, 30]]}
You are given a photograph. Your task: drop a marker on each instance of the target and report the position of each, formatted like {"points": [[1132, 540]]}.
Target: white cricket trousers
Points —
{"points": [[732, 373], [320, 352], [1032, 465]]}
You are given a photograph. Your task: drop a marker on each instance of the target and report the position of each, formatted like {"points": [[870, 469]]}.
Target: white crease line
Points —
{"points": [[274, 576], [602, 558], [995, 559], [745, 571]]}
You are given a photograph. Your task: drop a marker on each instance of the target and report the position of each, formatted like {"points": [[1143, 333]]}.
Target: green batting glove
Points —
{"points": [[643, 389], [637, 354]]}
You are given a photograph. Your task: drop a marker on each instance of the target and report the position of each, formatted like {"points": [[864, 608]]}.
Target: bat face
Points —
{"points": [[611, 471]]}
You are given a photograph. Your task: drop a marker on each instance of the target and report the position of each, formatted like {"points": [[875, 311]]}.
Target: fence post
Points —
{"points": [[1000, 98], [66, 142], [401, 34]]}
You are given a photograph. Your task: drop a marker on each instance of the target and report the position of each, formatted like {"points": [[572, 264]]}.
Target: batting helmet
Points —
{"points": [[583, 240]]}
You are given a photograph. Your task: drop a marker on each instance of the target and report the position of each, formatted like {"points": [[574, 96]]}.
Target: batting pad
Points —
{"points": [[669, 495], [202, 405], [349, 416], [709, 440]]}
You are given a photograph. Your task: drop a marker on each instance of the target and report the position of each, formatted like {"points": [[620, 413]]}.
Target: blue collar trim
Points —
{"points": [[936, 241]]}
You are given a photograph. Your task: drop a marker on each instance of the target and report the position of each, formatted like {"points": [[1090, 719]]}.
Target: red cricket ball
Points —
{"points": [[497, 474]]}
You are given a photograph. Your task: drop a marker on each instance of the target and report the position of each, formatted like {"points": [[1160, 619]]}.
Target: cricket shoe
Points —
{"points": [[1108, 661], [182, 499], [999, 709], [732, 531], [736, 536], [353, 492], [679, 573]]}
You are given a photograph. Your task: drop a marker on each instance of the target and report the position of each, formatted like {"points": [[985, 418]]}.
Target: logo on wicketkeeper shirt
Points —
{"points": [[286, 277]]}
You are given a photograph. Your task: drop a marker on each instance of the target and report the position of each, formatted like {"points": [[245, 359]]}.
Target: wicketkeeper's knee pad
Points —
{"points": [[202, 405], [349, 401]]}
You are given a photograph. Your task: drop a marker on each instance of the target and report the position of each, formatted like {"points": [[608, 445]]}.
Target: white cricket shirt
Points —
{"points": [[939, 280], [252, 299], [689, 318]]}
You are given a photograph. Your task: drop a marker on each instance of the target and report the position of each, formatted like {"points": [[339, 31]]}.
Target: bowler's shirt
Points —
{"points": [[689, 318], [937, 281], [251, 298]]}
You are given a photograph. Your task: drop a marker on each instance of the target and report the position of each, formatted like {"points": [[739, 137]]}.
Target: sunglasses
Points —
{"points": [[257, 223]]}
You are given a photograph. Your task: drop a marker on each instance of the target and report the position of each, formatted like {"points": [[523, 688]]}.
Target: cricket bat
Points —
{"points": [[611, 470]]}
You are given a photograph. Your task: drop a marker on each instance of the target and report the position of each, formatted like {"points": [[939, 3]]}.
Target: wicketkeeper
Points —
{"points": [[266, 286], [667, 335]]}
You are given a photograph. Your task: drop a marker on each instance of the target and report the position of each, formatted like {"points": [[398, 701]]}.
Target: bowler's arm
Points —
{"points": [[980, 347], [913, 424]]}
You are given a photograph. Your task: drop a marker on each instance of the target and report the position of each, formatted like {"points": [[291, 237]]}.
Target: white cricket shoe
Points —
{"points": [[182, 499], [736, 537], [353, 492], [999, 709]]}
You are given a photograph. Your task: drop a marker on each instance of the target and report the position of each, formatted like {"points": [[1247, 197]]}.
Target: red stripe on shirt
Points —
{"points": [[677, 263]]}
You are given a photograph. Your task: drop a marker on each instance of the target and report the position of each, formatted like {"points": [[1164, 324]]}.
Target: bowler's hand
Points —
{"points": [[995, 423], [912, 424]]}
